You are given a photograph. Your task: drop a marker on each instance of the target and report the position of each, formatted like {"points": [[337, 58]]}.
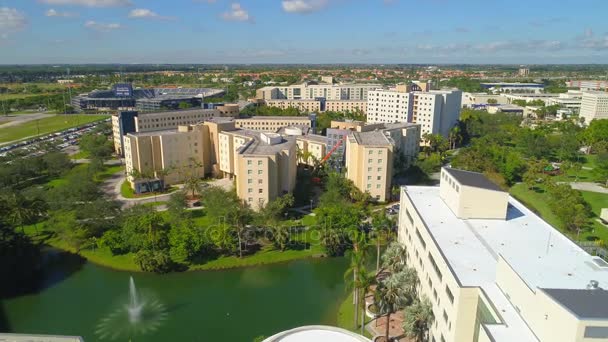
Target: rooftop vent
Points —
{"points": [[593, 285]]}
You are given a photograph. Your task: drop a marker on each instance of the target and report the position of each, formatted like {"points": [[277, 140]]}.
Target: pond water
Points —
{"points": [[230, 305]]}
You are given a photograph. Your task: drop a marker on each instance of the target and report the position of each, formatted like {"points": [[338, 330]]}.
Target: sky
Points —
{"points": [[303, 31]]}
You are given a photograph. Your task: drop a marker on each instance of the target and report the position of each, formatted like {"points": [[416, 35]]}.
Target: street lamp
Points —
{"points": [[311, 206]]}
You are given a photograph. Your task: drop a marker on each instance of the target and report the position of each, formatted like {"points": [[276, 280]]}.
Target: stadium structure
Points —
{"points": [[125, 97]]}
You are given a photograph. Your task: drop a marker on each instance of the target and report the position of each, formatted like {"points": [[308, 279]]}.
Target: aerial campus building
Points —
{"points": [[594, 105], [124, 122], [495, 271], [437, 111], [125, 97]]}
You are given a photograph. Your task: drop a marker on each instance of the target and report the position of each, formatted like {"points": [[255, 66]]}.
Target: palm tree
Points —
{"points": [[193, 184], [390, 296], [23, 210], [418, 319], [364, 281], [394, 258], [357, 265], [381, 225]]}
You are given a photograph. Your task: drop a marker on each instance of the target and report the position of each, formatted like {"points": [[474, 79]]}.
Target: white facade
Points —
{"points": [[494, 271], [594, 105], [437, 111], [387, 106], [312, 91]]}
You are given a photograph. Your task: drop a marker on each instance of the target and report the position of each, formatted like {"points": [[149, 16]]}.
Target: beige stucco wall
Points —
{"points": [[461, 313], [472, 202], [549, 320]]}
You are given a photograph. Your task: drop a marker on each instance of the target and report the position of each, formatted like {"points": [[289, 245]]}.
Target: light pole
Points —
{"points": [[311, 206]]}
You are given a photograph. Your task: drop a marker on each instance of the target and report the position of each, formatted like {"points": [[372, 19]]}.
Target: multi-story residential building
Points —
{"points": [[310, 91], [346, 105], [303, 105], [125, 122], [264, 164], [437, 111], [371, 154], [495, 271], [588, 85], [170, 156], [312, 147], [215, 147], [594, 105], [523, 72], [389, 106], [274, 123]]}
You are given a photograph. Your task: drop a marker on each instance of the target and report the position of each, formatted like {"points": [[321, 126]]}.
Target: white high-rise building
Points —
{"points": [[306, 91], [594, 105], [437, 111]]}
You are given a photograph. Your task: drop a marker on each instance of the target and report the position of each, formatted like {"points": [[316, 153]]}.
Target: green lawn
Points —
{"points": [[346, 316], [539, 203], [47, 125], [80, 155]]}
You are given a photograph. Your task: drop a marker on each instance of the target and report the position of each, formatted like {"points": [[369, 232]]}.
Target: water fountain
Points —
{"points": [[135, 306], [143, 313]]}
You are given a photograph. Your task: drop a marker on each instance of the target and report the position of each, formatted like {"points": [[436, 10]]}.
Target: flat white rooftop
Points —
{"points": [[317, 333], [541, 255]]}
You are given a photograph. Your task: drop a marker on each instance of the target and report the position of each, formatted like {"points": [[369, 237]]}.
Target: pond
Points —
{"points": [[230, 305]]}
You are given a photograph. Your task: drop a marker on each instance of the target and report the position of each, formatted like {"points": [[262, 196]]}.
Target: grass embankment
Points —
{"points": [[266, 255], [47, 125], [538, 201], [346, 316]]}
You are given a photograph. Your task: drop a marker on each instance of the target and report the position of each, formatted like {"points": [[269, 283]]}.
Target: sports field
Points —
{"points": [[45, 126]]}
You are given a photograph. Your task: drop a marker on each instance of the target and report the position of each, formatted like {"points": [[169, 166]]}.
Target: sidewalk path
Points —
{"points": [[588, 186]]}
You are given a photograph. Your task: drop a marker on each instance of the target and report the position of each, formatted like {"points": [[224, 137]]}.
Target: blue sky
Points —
{"points": [[303, 31]]}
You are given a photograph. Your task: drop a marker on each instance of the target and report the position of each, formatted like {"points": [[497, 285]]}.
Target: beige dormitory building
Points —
{"points": [[495, 271], [218, 147], [272, 123], [263, 164], [158, 121], [371, 151]]}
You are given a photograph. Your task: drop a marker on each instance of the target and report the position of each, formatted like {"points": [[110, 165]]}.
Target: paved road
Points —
{"points": [[111, 186], [14, 120]]}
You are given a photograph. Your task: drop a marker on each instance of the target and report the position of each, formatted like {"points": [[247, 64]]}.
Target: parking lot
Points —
{"points": [[63, 140]]}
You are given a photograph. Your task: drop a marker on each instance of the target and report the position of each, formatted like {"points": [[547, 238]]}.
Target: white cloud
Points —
{"points": [[11, 20], [54, 13], [304, 6], [237, 13], [90, 3], [144, 13], [102, 27]]}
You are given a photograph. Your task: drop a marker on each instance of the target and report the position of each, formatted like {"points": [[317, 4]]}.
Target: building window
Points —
{"points": [[370, 151], [596, 332], [379, 169], [369, 161], [369, 169], [369, 186], [250, 190], [449, 293], [249, 181], [260, 191], [445, 316], [379, 161], [259, 162], [260, 172], [249, 172], [409, 216], [369, 177], [377, 186], [435, 267], [250, 199], [420, 238], [379, 178], [260, 181]]}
